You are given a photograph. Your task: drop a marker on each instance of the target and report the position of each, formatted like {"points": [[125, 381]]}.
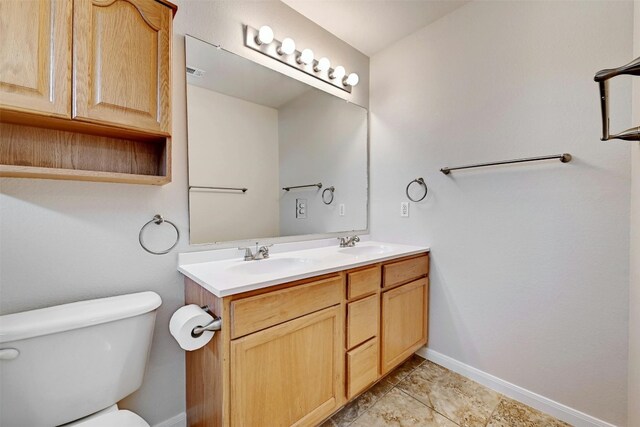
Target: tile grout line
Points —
{"points": [[494, 411], [432, 406], [427, 406], [469, 380], [393, 386], [372, 405]]}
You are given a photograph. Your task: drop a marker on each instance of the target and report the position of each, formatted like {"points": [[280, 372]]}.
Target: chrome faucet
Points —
{"points": [[348, 242], [262, 252]]}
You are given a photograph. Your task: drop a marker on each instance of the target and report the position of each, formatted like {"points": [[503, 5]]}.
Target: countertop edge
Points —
{"points": [[291, 278]]}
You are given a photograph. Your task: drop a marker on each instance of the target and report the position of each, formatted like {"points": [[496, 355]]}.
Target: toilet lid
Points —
{"points": [[122, 418]]}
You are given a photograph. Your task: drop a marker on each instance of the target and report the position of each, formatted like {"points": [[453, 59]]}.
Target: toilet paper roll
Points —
{"points": [[182, 323]]}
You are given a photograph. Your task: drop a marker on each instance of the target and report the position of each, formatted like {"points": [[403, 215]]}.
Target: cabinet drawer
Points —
{"points": [[363, 282], [404, 271], [262, 311], [362, 320], [362, 367]]}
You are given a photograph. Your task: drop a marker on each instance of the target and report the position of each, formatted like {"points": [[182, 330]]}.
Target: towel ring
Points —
{"points": [[421, 182], [330, 190], [158, 219]]}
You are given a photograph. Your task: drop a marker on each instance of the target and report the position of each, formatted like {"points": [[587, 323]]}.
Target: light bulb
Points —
{"points": [[265, 35], [323, 64], [287, 47], [306, 57], [351, 80], [338, 73]]}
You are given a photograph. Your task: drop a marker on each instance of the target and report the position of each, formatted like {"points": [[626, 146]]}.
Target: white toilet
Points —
{"points": [[72, 363]]}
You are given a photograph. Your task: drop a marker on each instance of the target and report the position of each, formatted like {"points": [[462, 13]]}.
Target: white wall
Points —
{"points": [[232, 143], [323, 139], [634, 292], [63, 241], [530, 275]]}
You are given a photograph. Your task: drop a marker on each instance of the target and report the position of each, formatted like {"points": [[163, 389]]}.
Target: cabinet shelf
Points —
{"points": [[33, 152], [81, 175]]}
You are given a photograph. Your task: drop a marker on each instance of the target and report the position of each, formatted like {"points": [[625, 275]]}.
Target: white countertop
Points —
{"points": [[233, 276]]}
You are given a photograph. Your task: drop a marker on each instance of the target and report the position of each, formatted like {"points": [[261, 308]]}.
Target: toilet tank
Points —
{"points": [[62, 363]]}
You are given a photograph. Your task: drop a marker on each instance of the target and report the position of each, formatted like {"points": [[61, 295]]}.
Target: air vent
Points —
{"points": [[196, 72]]}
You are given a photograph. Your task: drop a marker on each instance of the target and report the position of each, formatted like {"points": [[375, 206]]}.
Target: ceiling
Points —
{"points": [[372, 25]]}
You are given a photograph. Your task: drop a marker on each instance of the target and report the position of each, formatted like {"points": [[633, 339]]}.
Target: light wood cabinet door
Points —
{"points": [[35, 57], [289, 375], [404, 322], [121, 64]]}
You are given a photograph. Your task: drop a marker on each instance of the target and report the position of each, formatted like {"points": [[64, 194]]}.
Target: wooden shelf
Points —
{"points": [[34, 152], [80, 175]]}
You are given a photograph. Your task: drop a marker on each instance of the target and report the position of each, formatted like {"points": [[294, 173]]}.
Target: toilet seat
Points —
{"points": [[120, 418]]}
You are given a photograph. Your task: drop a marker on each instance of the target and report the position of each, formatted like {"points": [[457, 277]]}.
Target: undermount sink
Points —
{"points": [[266, 266], [365, 250]]}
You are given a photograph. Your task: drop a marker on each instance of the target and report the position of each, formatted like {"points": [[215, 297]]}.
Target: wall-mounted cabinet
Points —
{"points": [[85, 90]]}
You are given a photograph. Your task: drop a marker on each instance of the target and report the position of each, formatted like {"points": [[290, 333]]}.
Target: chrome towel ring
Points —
{"points": [[331, 191], [158, 219], [422, 183]]}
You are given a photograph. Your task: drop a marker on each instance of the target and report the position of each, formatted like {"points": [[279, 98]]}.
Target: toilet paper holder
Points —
{"points": [[214, 325]]}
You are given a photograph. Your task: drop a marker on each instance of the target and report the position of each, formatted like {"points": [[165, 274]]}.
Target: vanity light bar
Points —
{"points": [[285, 51]]}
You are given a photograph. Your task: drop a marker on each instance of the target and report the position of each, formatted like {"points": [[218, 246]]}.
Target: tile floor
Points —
{"points": [[421, 393]]}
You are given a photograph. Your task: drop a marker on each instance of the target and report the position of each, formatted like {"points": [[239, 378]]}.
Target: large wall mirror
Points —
{"points": [[252, 134]]}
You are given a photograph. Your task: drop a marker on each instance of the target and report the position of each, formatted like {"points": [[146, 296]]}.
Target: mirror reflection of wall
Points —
{"points": [[252, 127], [320, 138]]}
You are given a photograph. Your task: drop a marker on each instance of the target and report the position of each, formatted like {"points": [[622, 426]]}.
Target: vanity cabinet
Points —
{"points": [[295, 353], [85, 90]]}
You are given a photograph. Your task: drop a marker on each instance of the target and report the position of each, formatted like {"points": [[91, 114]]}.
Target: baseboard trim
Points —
{"points": [[541, 403], [179, 420]]}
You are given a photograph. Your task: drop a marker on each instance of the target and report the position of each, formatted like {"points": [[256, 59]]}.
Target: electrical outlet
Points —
{"points": [[404, 209], [341, 209], [301, 208]]}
